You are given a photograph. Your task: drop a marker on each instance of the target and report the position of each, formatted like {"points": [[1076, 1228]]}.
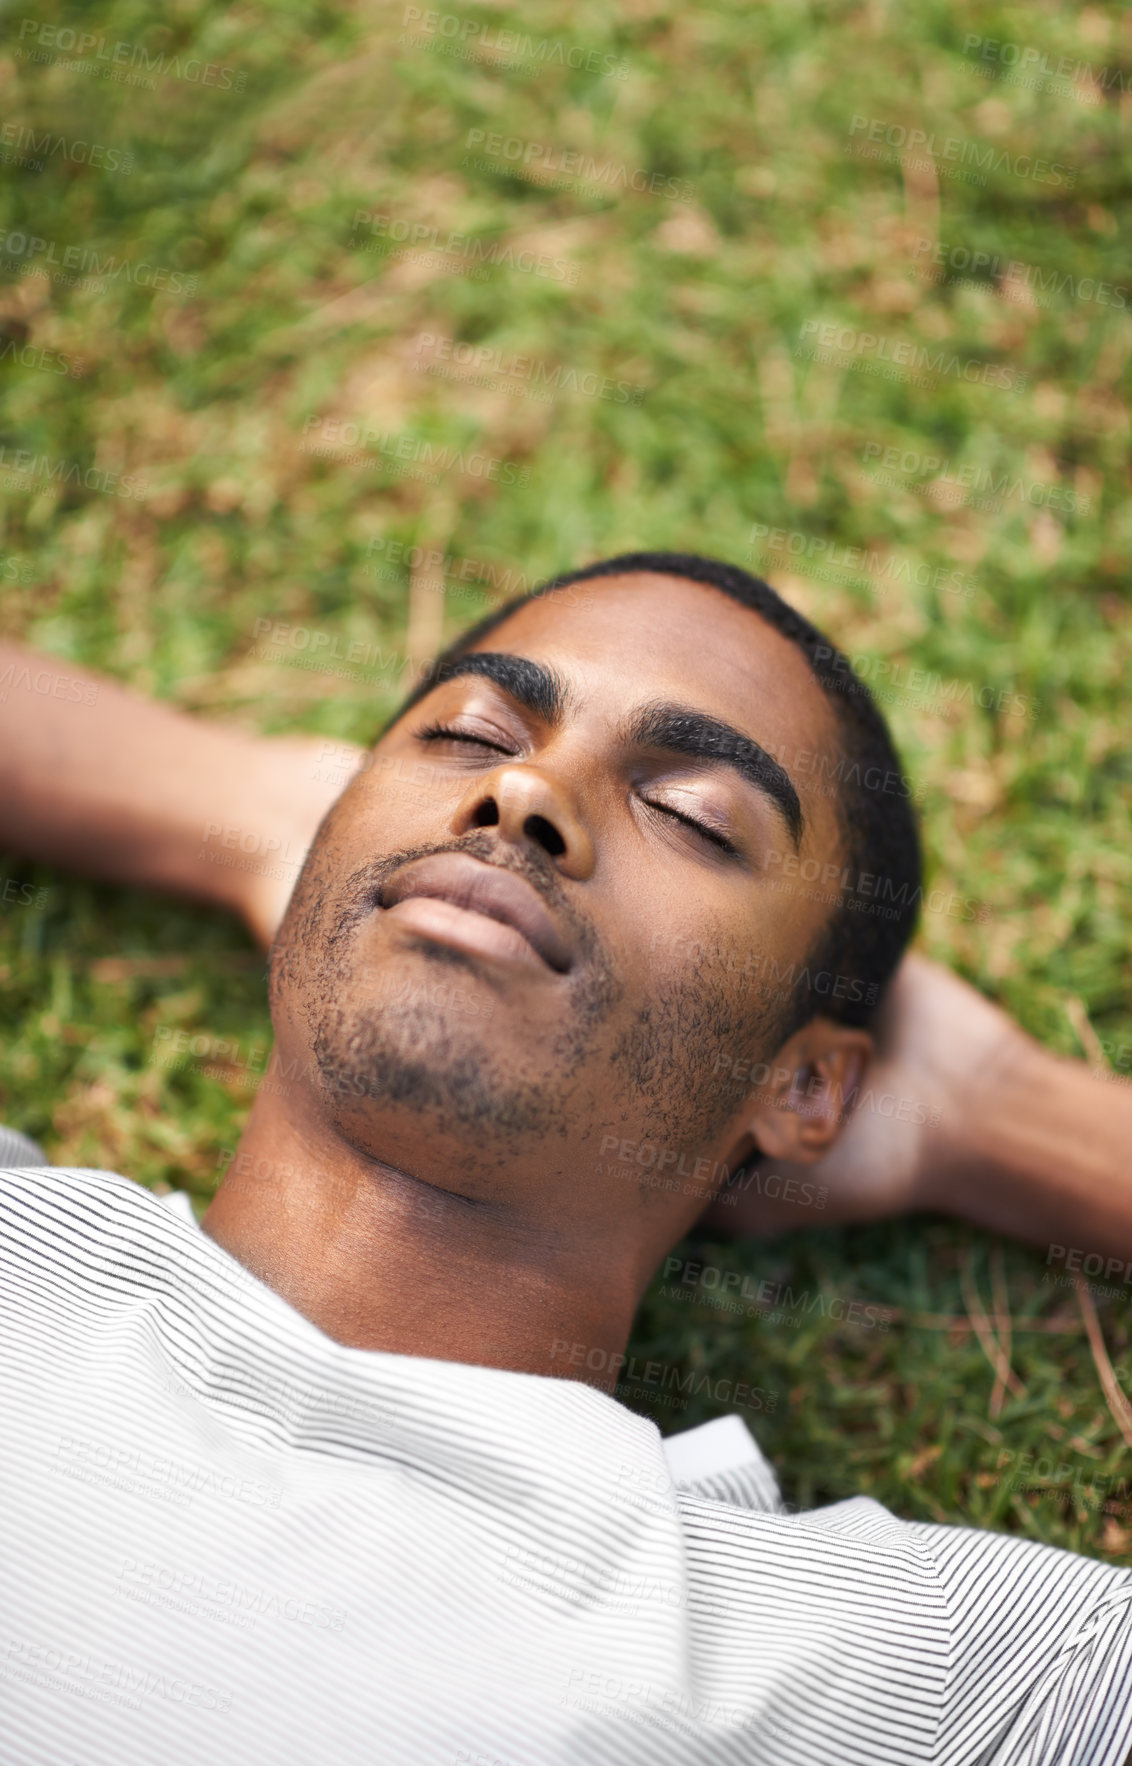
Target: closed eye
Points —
{"points": [[442, 733], [700, 828]]}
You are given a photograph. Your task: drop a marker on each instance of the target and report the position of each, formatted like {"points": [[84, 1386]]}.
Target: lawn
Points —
{"points": [[325, 326]]}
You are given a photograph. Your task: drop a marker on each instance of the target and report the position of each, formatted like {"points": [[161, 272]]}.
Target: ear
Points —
{"points": [[798, 1112]]}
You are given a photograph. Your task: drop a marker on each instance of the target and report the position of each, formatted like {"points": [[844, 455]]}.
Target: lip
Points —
{"points": [[486, 890]]}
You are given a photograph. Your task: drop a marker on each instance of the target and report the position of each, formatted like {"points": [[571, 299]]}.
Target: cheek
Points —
{"points": [[700, 950], [734, 980], [400, 792], [698, 1029]]}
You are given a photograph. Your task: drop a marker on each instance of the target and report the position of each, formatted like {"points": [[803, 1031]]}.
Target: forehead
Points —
{"points": [[627, 639]]}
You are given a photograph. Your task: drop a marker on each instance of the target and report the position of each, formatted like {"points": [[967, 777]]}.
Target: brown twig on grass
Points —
{"points": [[1005, 1330], [989, 1341], [1091, 1043], [1119, 1407]]}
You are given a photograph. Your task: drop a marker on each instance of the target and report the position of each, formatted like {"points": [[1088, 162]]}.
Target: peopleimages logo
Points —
{"points": [[47, 684], [49, 257], [948, 478], [900, 354], [492, 366], [109, 58], [1016, 278], [105, 1680], [147, 1472], [28, 466], [882, 674], [30, 355], [41, 148], [448, 572], [473, 40], [660, 1376], [758, 1073], [785, 980], [203, 1592], [538, 159], [826, 557], [401, 238], [15, 892], [301, 647], [1076, 1263], [410, 453], [869, 893], [728, 1285], [951, 151], [1023, 64], [1088, 1488]]}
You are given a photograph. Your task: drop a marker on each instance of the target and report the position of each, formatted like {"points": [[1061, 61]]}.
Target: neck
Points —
{"points": [[379, 1259]]}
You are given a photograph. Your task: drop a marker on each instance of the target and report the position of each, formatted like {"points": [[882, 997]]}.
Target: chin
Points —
{"points": [[443, 1072]]}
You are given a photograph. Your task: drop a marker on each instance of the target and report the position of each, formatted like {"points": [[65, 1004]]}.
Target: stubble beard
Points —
{"points": [[405, 1052]]}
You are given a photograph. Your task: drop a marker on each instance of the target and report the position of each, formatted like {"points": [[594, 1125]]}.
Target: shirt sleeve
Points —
{"points": [[1041, 1669], [19, 1151]]}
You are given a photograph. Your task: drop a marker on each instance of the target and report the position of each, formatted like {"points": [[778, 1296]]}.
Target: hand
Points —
{"points": [[938, 1046]]}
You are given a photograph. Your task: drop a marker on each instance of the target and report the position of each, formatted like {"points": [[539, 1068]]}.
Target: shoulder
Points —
{"points": [[40, 1190], [1003, 1649], [839, 1612], [853, 1559], [1037, 1593], [55, 1217], [1041, 1648]]}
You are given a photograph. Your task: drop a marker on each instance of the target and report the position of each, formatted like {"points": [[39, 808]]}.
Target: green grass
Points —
{"points": [[696, 303]]}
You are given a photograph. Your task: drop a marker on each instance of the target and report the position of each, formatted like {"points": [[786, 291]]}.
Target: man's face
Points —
{"points": [[518, 941]]}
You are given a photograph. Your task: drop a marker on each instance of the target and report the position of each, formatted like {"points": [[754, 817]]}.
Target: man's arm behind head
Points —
{"points": [[959, 1112], [111, 785]]}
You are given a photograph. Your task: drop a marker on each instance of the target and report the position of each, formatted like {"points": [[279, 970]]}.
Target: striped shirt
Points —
{"points": [[227, 1537]]}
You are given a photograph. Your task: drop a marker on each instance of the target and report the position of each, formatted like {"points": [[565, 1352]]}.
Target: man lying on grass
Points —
{"points": [[327, 1479]]}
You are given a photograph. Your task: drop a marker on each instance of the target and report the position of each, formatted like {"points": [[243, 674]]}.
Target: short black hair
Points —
{"points": [[878, 888]]}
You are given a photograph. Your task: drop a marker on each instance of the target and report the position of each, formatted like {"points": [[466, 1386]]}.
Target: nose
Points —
{"points": [[528, 806]]}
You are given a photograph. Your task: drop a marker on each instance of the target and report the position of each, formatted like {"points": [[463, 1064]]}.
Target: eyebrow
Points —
{"points": [[676, 729], [535, 686]]}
